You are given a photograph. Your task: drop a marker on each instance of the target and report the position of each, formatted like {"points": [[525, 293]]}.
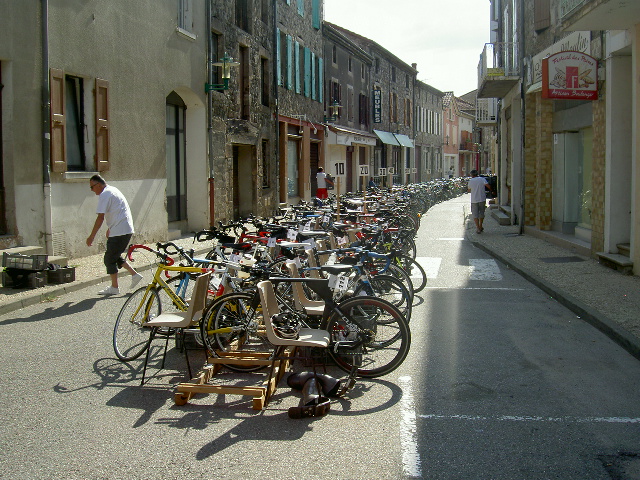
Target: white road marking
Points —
{"points": [[411, 465], [431, 266], [527, 418], [456, 239], [484, 269]]}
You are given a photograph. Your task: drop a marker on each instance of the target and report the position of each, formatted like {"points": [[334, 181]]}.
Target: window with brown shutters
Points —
{"points": [[542, 15], [58, 121], [102, 125], [72, 119]]}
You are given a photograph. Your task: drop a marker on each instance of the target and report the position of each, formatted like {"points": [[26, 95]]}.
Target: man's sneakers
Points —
{"points": [[109, 291], [135, 280]]}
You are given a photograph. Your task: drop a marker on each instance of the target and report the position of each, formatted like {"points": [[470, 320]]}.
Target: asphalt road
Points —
{"points": [[501, 382]]}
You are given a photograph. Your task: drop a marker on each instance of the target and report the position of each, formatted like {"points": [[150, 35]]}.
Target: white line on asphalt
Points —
{"points": [[456, 239], [484, 269], [527, 418], [477, 288], [410, 457], [430, 265]]}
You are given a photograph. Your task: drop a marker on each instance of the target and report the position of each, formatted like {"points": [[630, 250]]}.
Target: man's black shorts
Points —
{"points": [[115, 248]]}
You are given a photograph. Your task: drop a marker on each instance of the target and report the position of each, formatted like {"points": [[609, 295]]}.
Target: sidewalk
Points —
{"points": [[89, 271], [605, 298]]}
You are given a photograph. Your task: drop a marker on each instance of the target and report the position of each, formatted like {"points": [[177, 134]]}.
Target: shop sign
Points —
{"points": [[570, 76], [354, 139], [377, 105]]}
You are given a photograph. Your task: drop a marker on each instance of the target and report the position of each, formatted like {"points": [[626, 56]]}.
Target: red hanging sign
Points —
{"points": [[570, 76]]}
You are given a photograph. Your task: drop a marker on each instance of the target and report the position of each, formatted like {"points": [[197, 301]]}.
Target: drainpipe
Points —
{"points": [[274, 89], [211, 157], [46, 130], [521, 41]]}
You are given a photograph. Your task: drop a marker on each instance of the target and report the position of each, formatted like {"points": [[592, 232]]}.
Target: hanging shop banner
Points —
{"points": [[377, 105], [570, 76]]}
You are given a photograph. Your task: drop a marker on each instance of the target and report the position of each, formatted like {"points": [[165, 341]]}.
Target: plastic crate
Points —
{"points": [[24, 262], [61, 275], [24, 279]]}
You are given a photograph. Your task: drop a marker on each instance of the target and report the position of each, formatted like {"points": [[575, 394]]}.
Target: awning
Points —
{"points": [[386, 137], [349, 136], [404, 140]]}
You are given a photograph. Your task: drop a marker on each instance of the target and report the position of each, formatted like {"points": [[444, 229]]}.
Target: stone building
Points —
{"points": [[429, 160], [243, 130], [300, 96], [392, 83], [566, 165], [350, 141]]}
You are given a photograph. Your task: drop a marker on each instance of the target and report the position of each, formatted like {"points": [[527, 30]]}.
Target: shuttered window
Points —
{"points": [[542, 18], [289, 62], [102, 124], [298, 70], [307, 72], [320, 80], [314, 88], [71, 121], [315, 12], [58, 122]]}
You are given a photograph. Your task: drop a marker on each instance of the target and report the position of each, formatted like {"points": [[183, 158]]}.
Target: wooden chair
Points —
{"points": [[179, 320]]}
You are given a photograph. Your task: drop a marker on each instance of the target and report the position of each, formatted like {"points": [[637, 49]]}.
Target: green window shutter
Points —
{"points": [[314, 87], [307, 72], [296, 53], [315, 12], [320, 80], [278, 58], [301, 7], [289, 62]]}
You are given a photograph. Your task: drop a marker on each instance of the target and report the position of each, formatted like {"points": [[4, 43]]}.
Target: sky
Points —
{"points": [[444, 37]]}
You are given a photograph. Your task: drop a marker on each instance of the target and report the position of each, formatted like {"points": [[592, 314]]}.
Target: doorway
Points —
{"points": [[244, 171]]}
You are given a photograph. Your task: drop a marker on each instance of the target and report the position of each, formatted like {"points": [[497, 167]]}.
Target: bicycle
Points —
{"points": [[368, 333], [130, 336]]}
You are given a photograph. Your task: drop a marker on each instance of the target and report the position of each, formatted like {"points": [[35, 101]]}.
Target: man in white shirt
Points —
{"points": [[114, 209], [478, 186], [322, 180]]}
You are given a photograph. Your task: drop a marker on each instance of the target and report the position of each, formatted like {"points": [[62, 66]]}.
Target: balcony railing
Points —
{"points": [[499, 59], [498, 69]]}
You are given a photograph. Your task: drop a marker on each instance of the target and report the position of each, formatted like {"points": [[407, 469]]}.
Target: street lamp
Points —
{"points": [[225, 63], [334, 111]]}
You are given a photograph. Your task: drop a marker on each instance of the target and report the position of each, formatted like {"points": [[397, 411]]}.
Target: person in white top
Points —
{"points": [[478, 186], [114, 210], [322, 180]]}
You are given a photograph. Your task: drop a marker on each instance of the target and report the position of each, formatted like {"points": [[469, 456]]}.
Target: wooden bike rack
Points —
{"points": [[261, 393]]}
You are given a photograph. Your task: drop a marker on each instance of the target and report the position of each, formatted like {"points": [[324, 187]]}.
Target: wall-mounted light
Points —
{"points": [[334, 111], [225, 64]]}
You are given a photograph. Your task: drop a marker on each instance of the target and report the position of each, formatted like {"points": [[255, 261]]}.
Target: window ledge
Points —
{"points": [[186, 34], [78, 176]]}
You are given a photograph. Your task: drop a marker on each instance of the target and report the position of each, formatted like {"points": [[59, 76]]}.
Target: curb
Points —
{"points": [[37, 297], [611, 329]]}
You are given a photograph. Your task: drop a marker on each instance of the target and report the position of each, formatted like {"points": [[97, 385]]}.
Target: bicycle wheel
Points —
{"points": [[415, 271], [235, 310], [390, 289], [381, 336], [130, 338]]}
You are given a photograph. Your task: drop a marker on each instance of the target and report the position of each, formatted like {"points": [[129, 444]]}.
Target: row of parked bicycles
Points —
{"points": [[348, 269]]}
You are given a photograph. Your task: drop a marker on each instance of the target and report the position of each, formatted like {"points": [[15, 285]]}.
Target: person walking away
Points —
{"points": [[478, 186], [114, 210], [322, 179]]}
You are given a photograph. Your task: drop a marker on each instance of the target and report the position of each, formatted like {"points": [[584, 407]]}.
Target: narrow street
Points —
{"points": [[501, 382]]}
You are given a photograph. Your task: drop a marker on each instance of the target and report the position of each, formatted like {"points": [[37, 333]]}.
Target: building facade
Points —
{"points": [[566, 165], [429, 160]]}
